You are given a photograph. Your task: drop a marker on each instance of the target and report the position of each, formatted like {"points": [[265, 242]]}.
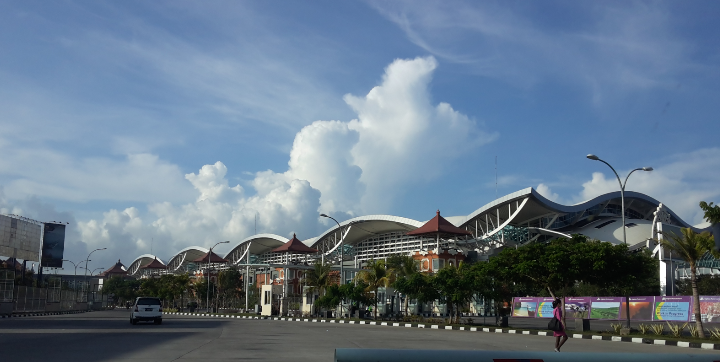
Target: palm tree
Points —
{"points": [[403, 267], [691, 246], [318, 278], [375, 275]]}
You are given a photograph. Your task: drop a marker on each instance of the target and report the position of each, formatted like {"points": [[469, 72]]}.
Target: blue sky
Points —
{"points": [[176, 123]]}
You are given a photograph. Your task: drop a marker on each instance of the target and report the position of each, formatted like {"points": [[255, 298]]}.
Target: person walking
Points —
{"points": [[558, 313]]}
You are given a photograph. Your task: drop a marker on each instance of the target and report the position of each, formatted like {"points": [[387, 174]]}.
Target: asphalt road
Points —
{"points": [[108, 336]]}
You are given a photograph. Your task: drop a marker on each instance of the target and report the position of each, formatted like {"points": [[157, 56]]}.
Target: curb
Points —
{"points": [[23, 314], [650, 341]]}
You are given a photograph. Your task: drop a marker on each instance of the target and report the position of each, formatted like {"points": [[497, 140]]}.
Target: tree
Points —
{"points": [[418, 286], [455, 285], [712, 213], [230, 284], [403, 267], [355, 293], [690, 246], [375, 275], [318, 278], [706, 285]]}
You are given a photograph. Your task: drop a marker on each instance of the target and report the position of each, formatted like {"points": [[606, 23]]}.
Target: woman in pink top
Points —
{"points": [[558, 313]]}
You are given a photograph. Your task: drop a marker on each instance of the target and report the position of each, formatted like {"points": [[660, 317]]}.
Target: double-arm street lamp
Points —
{"points": [[622, 187], [208, 271], [76, 266], [87, 260], [622, 202]]}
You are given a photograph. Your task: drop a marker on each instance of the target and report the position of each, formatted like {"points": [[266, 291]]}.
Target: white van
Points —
{"points": [[146, 309]]}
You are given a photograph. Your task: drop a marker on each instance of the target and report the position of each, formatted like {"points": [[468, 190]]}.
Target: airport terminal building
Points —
{"points": [[515, 219]]}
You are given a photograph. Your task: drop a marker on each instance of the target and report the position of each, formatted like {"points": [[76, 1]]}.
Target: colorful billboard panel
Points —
{"points": [[709, 309], [577, 307], [524, 307], [672, 308], [545, 309], [53, 246], [605, 307], [641, 308]]}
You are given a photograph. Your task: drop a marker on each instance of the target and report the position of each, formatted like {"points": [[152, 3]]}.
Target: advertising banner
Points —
{"points": [[672, 308], [709, 309], [577, 307], [641, 308], [53, 245], [605, 307], [545, 309], [524, 307]]}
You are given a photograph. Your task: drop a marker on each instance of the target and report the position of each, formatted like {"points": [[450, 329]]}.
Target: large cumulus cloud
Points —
{"points": [[399, 138]]}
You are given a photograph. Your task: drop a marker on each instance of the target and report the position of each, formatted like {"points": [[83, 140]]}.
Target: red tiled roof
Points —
{"points": [[118, 268], [214, 258], [294, 246], [8, 264], [438, 225], [155, 264]]}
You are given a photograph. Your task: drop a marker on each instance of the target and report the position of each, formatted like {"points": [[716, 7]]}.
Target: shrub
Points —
{"points": [[694, 330], [676, 329], [715, 332], [658, 329], [616, 327], [644, 328]]}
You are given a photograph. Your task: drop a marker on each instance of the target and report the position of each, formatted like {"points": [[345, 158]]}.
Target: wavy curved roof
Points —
{"points": [[142, 261], [519, 208], [364, 226]]}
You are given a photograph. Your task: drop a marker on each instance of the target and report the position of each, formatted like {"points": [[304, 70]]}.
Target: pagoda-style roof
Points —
{"points": [[294, 246], [155, 264], [117, 269], [8, 264], [439, 226], [214, 258]]}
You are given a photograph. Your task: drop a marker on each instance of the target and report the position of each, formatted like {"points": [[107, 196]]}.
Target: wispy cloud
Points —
{"points": [[605, 48]]}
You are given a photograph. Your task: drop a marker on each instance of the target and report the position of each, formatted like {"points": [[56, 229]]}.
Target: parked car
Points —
{"points": [[146, 309]]}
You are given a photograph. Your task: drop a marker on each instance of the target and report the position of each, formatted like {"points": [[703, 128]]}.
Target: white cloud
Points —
{"points": [[545, 190], [342, 168], [211, 182], [680, 182], [44, 172], [403, 137], [220, 213], [399, 138]]}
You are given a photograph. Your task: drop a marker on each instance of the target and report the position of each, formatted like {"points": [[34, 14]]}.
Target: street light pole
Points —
{"points": [[342, 254], [87, 260], [208, 271], [622, 188], [622, 203]]}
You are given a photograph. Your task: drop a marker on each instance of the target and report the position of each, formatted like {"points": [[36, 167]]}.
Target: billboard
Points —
{"points": [[709, 309], [672, 308], [641, 309], [53, 245], [605, 307], [545, 309], [524, 307], [577, 307], [19, 238]]}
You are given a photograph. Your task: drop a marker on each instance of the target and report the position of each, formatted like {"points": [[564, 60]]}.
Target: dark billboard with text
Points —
{"points": [[53, 245]]}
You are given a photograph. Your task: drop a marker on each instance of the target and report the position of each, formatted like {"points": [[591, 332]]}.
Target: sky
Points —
{"points": [[153, 126]]}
